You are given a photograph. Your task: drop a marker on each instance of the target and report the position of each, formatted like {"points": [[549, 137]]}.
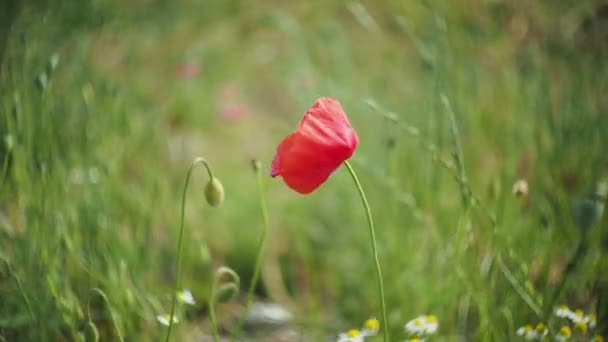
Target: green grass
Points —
{"points": [[94, 161]]}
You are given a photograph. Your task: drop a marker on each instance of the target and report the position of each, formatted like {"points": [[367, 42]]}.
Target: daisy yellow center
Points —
{"points": [[565, 331], [372, 324], [579, 313], [581, 326], [418, 322], [432, 319], [353, 333], [541, 327]]}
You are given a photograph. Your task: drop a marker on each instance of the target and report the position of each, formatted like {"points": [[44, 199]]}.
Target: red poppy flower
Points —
{"points": [[324, 139]]}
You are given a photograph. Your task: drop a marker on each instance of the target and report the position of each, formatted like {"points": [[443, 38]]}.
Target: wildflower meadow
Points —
{"points": [[350, 171]]}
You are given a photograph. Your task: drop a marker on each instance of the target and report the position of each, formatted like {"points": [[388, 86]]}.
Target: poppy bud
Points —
{"points": [[226, 292], [214, 192], [256, 165]]}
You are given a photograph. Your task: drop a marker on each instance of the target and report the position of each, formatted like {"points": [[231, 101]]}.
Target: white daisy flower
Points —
{"points": [[164, 319], [432, 324], [591, 320], [370, 327], [576, 316], [541, 330], [564, 334], [417, 326], [563, 311], [522, 330], [527, 332], [186, 297], [422, 325], [352, 335]]}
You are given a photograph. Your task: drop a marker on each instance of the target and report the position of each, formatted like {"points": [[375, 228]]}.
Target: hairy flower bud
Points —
{"points": [[226, 292], [214, 192]]}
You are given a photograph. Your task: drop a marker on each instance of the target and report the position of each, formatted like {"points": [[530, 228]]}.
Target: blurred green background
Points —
{"points": [[104, 104]]}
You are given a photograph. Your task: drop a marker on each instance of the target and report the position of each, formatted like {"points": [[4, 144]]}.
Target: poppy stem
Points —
{"points": [[216, 293], [372, 234], [257, 167], [196, 161]]}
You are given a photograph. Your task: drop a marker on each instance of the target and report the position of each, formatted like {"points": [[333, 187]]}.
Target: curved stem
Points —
{"points": [[180, 241], [235, 279], [105, 299], [372, 234], [260, 249]]}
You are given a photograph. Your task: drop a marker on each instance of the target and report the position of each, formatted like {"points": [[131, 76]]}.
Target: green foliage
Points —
{"points": [[104, 104]]}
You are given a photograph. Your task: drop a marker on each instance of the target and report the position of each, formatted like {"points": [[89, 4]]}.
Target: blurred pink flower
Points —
{"points": [[187, 70], [232, 108], [233, 112]]}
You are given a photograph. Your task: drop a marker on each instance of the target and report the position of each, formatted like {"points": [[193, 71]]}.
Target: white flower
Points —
{"points": [[564, 334], [417, 326], [576, 316], [563, 311], [186, 297], [422, 325], [530, 333], [527, 332], [432, 324], [352, 335], [591, 320], [522, 330], [370, 327], [164, 319]]}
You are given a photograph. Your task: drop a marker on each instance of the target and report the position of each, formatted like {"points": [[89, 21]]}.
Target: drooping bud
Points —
{"points": [[226, 292], [256, 165], [214, 192]]}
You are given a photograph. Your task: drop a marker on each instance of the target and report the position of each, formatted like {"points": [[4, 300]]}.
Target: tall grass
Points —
{"points": [[452, 106]]}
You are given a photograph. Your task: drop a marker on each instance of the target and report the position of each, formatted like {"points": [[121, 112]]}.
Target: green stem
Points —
{"points": [[235, 280], [212, 316], [372, 234], [576, 257], [105, 299], [20, 287], [180, 241], [260, 249]]}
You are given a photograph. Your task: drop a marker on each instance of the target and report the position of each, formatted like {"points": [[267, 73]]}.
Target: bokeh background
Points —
{"points": [[104, 104]]}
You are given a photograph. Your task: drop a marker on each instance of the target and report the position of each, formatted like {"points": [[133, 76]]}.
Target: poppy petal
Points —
{"points": [[283, 148], [324, 139]]}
